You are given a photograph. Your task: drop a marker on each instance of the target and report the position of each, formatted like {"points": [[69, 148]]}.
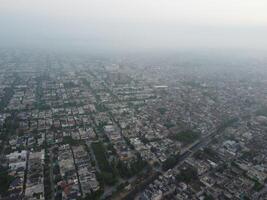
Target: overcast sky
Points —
{"points": [[135, 24]]}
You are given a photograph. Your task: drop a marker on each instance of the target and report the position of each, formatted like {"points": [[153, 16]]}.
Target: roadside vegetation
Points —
{"points": [[107, 175], [186, 137]]}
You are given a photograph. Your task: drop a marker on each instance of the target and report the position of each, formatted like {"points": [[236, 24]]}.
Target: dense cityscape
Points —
{"points": [[74, 126]]}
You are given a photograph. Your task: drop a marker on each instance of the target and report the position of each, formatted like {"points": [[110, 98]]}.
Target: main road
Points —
{"points": [[202, 143]]}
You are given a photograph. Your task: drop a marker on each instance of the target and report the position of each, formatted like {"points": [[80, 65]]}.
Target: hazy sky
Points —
{"points": [[137, 24]]}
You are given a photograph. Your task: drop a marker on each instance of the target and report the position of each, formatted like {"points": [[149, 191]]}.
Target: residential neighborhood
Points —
{"points": [[81, 127]]}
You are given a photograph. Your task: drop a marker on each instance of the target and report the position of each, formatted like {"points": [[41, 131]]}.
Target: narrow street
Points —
{"points": [[51, 173]]}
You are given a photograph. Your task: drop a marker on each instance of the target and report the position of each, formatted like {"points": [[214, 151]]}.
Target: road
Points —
{"points": [[202, 143], [51, 173]]}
